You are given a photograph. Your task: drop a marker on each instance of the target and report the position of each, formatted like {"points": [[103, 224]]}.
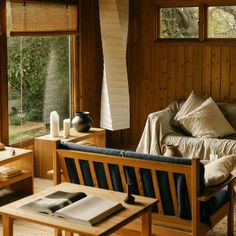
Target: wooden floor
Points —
{"points": [[22, 228]]}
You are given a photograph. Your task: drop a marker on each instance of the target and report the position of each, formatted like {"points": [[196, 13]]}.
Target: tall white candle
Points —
{"points": [[66, 128], [54, 124]]}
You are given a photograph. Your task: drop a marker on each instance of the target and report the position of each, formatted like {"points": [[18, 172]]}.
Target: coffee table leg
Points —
{"points": [[68, 233], [57, 232], [147, 223], [7, 225]]}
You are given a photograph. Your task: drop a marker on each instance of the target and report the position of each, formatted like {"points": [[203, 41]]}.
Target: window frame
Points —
{"points": [[203, 21], [158, 26], [4, 132]]}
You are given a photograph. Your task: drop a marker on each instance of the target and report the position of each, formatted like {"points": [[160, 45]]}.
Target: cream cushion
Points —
{"points": [[207, 121], [192, 102], [219, 170]]}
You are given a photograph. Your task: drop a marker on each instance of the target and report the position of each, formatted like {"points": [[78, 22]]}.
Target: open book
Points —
{"points": [[74, 206]]}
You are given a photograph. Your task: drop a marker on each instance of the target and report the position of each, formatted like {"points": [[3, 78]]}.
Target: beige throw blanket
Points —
{"points": [[158, 131], [156, 128]]}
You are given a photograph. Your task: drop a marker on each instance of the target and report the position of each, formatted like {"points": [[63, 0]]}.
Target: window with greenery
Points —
{"points": [[180, 22], [222, 22], [188, 22], [38, 83], [39, 45]]}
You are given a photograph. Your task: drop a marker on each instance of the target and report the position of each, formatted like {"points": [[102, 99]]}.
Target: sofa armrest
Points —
{"points": [[211, 191]]}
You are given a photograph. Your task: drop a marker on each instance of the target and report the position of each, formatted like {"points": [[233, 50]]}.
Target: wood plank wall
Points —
{"points": [[158, 72], [91, 63]]}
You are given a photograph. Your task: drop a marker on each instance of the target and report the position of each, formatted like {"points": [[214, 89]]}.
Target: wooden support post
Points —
{"points": [[7, 222]]}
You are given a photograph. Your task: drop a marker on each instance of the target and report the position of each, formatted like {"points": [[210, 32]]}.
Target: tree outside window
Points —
{"points": [[183, 22]]}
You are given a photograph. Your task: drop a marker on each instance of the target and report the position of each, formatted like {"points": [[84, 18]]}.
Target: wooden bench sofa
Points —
{"points": [[185, 206]]}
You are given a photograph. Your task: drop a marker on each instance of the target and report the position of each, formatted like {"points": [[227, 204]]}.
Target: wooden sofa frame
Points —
{"points": [[161, 224]]}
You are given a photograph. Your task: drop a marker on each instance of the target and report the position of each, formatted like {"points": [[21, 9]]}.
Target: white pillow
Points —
{"points": [[208, 121], [219, 170], [192, 102]]}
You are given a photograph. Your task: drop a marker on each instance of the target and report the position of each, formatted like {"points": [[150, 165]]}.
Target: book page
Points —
{"points": [[46, 205], [54, 201], [89, 210]]}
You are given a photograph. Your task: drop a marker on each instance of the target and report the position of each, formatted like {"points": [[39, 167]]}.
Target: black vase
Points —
{"points": [[82, 122]]}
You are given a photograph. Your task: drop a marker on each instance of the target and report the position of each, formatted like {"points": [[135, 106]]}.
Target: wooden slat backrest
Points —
{"points": [[123, 179], [108, 176], [173, 192], [139, 181], [79, 172], [93, 173], [137, 164], [157, 191]]}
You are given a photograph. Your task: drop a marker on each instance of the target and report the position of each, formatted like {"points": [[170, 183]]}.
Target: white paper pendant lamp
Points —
{"points": [[115, 107]]}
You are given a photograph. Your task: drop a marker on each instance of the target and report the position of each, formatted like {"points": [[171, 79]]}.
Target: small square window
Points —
{"points": [[179, 22], [222, 22]]}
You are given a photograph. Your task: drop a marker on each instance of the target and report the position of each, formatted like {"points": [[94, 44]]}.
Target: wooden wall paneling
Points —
{"points": [[83, 55], [146, 55], [232, 87], [197, 69], [171, 74], [163, 78], [132, 67], [142, 84], [188, 82], [97, 60], [215, 74], [156, 74], [225, 74], [4, 132], [180, 72], [91, 71], [206, 71]]}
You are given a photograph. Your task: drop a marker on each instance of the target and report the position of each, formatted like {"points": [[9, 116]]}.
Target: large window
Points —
{"points": [[39, 35], [38, 83]]}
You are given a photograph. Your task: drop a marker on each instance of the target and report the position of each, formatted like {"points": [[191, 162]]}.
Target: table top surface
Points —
{"points": [[7, 153], [106, 226], [73, 134]]}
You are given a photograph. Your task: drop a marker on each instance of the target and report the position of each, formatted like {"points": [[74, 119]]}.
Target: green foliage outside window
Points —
{"points": [[38, 78], [28, 69], [179, 22], [183, 22]]}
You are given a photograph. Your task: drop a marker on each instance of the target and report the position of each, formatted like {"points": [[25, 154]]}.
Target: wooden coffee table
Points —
{"points": [[141, 207]]}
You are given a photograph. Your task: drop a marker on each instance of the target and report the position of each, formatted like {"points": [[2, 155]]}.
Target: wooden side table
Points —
{"points": [[22, 159], [45, 147]]}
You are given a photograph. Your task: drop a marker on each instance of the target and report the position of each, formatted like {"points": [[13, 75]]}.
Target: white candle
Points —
{"points": [[54, 124], [66, 128]]}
